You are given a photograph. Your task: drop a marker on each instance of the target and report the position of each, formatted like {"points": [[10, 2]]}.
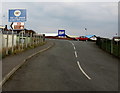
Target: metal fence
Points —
{"points": [[108, 45], [13, 43]]}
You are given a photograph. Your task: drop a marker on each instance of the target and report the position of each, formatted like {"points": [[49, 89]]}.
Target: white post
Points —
{"points": [[22, 40], [26, 40], [7, 44], [31, 39], [12, 41], [36, 39], [19, 41]]}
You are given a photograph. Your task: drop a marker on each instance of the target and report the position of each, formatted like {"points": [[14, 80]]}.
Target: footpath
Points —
{"points": [[12, 63]]}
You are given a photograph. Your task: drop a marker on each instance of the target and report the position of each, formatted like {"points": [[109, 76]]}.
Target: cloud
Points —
{"points": [[99, 18], [60, 0]]}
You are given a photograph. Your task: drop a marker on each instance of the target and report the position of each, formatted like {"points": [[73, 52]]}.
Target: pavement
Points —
{"points": [[12, 63], [68, 66]]}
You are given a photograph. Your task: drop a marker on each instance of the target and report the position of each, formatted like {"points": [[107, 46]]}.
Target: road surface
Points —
{"points": [[68, 66]]}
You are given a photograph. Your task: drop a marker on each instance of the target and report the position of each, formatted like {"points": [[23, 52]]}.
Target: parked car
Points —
{"points": [[81, 38]]}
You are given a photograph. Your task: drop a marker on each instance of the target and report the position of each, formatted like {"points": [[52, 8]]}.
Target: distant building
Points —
{"points": [[50, 34], [91, 37], [116, 38]]}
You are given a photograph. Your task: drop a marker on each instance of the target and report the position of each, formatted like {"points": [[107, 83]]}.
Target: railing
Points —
{"points": [[20, 43], [110, 46]]}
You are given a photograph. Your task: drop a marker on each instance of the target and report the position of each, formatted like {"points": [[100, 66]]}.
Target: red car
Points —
{"points": [[81, 38]]}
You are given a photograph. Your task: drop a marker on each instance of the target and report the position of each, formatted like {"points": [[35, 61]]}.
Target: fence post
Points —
{"points": [[40, 39], [31, 39], [43, 37], [12, 41], [26, 40], [19, 41], [106, 44], [118, 48], [111, 46], [7, 44], [22, 40], [36, 39]]}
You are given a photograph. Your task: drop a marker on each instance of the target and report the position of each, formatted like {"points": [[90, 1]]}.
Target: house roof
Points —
{"points": [[8, 32]]}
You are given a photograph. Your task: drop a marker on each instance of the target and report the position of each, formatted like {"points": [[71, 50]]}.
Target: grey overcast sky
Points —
{"points": [[100, 18]]}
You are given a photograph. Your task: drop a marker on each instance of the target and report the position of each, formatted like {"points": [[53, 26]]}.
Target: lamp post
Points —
{"points": [[85, 31]]}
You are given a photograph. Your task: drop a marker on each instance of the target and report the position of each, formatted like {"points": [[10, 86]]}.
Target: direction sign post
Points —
{"points": [[16, 15]]}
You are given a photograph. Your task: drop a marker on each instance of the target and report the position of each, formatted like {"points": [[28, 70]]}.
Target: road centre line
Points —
{"points": [[79, 63], [74, 47], [76, 54], [72, 43], [83, 70]]}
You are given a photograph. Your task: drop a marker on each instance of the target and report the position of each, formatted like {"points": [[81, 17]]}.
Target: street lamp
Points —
{"points": [[86, 31]]}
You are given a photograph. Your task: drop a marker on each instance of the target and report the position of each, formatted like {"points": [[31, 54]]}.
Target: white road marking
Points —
{"points": [[74, 47], [71, 43], [79, 62], [76, 54], [83, 70]]}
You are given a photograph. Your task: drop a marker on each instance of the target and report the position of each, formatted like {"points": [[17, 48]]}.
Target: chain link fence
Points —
{"points": [[111, 46]]}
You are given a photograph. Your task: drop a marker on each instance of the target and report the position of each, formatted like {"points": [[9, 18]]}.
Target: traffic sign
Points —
{"points": [[17, 15], [17, 25], [11, 25], [61, 32]]}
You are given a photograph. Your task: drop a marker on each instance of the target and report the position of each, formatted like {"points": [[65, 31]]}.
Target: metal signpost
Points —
{"points": [[16, 15]]}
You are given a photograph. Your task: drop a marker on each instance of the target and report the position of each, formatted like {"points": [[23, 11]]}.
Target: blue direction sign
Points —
{"points": [[17, 15], [61, 32]]}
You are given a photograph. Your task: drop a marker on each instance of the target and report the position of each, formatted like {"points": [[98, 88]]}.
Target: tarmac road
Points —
{"points": [[68, 66]]}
